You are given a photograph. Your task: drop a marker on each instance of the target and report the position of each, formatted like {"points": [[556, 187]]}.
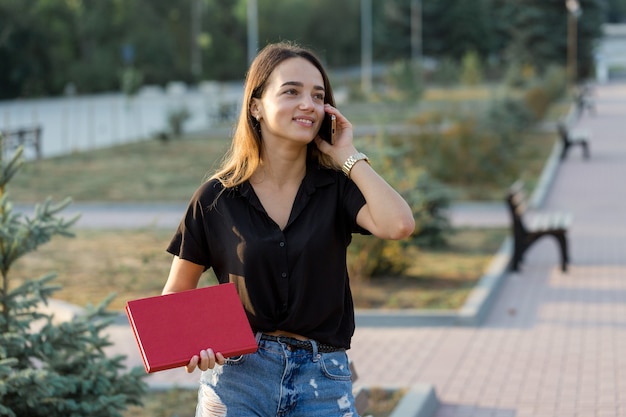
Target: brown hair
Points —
{"points": [[244, 155]]}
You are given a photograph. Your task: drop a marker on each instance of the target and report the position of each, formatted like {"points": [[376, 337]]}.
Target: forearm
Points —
{"points": [[184, 275], [386, 214]]}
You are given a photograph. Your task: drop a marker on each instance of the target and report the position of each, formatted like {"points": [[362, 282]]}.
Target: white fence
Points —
{"points": [[81, 123]]}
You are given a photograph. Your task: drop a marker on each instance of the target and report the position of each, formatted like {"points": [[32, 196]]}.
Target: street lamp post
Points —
{"points": [[416, 31], [366, 46], [196, 29], [573, 8], [253, 30]]}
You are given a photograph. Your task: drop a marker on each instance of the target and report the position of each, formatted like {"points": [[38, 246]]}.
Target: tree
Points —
{"points": [[536, 32], [615, 11], [49, 368], [46, 44], [455, 27]]}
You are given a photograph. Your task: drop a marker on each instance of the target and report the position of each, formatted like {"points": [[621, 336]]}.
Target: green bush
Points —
{"points": [[447, 72], [463, 148], [176, 119], [471, 69], [405, 80], [508, 116], [428, 200], [131, 81], [538, 101], [555, 82], [518, 75]]}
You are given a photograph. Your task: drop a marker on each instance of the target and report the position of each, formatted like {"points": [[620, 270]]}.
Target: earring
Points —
{"points": [[258, 118]]}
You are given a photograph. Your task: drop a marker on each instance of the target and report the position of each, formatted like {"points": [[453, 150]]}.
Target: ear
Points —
{"points": [[255, 109]]}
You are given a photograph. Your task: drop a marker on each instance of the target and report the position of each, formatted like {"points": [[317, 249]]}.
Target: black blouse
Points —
{"points": [[295, 279]]}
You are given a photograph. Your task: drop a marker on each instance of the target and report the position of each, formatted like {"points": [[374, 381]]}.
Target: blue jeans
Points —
{"points": [[278, 381]]}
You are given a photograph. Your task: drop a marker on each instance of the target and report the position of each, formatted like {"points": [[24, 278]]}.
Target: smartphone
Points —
{"points": [[329, 126]]}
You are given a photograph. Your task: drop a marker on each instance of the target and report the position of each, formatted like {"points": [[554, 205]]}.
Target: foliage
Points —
{"points": [[405, 80], [428, 200], [555, 82], [534, 32], [176, 119], [615, 11], [48, 44], [480, 144], [517, 75], [537, 101], [131, 81], [454, 27], [447, 72], [472, 71], [544, 91], [49, 368]]}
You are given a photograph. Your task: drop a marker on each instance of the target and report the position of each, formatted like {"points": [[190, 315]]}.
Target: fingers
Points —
{"points": [[344, 127], [207, 360], [342, 121], [191, 366]]}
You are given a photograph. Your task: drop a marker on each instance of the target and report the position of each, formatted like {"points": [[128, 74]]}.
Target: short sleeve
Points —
{"points": [[353, 201], [190, 241]]}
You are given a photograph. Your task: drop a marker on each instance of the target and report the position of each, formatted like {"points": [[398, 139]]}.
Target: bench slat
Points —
{"points": [[527, 229]]}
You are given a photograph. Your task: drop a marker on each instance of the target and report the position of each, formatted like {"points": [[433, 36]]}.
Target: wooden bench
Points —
{"points": [[26, 136], [571, 138], [528, 231], [583, 101]]}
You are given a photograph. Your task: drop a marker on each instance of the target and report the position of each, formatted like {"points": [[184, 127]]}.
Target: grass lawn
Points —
{"points": [[134, 264], [148, 170]]}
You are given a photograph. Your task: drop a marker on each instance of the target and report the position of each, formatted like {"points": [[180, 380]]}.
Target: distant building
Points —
{"points": [[611, 54]]}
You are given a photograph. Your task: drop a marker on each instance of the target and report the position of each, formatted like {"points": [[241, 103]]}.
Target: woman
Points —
{"points": [[276, 219]]}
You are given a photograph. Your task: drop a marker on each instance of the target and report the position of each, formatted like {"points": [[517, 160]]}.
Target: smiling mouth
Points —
{"points": [[305, 121]]}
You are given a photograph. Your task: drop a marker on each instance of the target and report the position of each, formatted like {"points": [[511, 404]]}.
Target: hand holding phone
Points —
{"points": [[328, 128]]}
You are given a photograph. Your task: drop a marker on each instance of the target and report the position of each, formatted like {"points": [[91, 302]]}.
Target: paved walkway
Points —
{"points": [[554, 344]]}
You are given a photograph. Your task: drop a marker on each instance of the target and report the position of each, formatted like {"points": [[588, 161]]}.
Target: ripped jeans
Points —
{"points": [[278, 381]]}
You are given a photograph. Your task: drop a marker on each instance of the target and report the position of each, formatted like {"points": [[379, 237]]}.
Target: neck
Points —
{"points": [[281, 168]]}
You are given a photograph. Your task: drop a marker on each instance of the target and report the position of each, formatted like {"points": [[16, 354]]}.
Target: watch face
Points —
{"points": [[353, 159]]}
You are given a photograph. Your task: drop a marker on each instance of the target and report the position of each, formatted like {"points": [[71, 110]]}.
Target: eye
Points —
{"points": [[319, 96], [291, 92]]}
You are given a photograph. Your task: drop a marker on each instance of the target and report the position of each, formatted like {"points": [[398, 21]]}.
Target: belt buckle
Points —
{"points": [[287, 342]]}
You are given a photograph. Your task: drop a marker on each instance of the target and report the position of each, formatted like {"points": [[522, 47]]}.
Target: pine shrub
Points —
{"points": [[48, 367]]}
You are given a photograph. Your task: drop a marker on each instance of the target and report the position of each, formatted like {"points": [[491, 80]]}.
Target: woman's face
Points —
{"points": [[292, 106]]}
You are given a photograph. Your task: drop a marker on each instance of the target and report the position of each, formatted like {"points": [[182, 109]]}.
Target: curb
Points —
{"points": [[419, 401], [472, 313]]}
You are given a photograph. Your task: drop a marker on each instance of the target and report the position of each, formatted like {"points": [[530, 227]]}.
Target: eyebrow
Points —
{"points": [[299, 84]]}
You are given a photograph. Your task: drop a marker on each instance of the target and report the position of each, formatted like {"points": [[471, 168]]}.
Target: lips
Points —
{"points": [[304, 121]]}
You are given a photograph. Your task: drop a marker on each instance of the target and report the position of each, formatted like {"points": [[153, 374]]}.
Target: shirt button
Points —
{"points": [[284, 275], [282, 244]]}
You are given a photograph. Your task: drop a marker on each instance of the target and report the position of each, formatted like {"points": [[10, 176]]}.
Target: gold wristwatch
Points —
{"points": [[353, 159]]}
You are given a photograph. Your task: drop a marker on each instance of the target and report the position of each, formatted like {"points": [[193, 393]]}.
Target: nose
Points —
{"points": [[306, 102]]}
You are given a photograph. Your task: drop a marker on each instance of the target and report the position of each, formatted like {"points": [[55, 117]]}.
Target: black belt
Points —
{"points": [[294, 344]]}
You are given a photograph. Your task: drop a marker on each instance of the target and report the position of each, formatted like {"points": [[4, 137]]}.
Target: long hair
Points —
{"points": [[244, 155]]}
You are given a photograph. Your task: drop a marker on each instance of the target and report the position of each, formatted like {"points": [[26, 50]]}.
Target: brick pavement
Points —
{"points": [[554, 343]]}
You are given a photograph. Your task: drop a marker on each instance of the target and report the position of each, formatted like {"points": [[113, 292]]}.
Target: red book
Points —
{"points": [[171, 328]]}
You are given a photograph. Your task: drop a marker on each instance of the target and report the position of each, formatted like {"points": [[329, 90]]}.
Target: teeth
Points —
{"points": [[304, 121]]}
